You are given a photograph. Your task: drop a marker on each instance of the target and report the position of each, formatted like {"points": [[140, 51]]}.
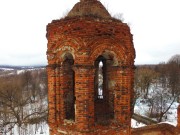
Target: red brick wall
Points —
{"points": [[87, 38]]}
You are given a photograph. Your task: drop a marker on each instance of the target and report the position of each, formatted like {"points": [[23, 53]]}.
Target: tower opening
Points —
{"points": [[100, 80], [103, 102], [69, 92]]}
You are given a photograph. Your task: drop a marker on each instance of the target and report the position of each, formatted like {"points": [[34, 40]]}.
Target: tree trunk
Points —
{"points": [[151, 110], [160, 117]]}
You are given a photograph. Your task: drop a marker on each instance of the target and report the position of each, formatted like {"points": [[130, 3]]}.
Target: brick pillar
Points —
{"points": [[117, 93], [125, 92], [178, 116], [131, 74], [110, 82], [61, 97], [84, 93], [57, 72], [130, 96], [122, 97], [91, 74], [51, 96]]}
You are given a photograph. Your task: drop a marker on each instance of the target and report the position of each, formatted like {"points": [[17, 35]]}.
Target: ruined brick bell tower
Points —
{"points": [[90, 72]]}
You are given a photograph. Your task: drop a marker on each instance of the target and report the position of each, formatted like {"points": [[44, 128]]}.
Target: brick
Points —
{"points": [[75, 45]]}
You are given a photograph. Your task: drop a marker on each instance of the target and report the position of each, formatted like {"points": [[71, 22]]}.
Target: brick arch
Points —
{"points": [[61, 56], [114, 45], [74, 42], [66, 46], [112, 50]]}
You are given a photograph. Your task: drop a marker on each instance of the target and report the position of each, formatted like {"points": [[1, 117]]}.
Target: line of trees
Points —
{"points": [[159, 86], [23, 99]]}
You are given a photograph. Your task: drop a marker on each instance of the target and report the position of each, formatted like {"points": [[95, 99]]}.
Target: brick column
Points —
{"points": [[122, 95], [57, 72], [132, 73], [178, 116], [84, 93], [110, 81], [130, 96], [61, 97], [116, 73], [51, 96]]}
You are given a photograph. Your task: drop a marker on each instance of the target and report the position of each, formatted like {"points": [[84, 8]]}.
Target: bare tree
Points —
{"points": [[161, 69], [164, 82], [173, 70], [144, 77], [16, 103], [175, 59], [160, 102]]}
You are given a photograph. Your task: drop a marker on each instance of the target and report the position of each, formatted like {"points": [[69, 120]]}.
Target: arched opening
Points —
{"points": [[104, 98], [100, 82], [68, 82]]}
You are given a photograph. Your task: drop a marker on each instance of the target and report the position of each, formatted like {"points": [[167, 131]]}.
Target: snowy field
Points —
{"points": [[40, 129], [171, 116]]}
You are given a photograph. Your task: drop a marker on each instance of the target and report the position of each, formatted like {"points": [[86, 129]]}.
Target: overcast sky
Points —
{"points": [[155, 25]]}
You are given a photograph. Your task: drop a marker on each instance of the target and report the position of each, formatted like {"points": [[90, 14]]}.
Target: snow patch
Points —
{"points": [[136, 124]]}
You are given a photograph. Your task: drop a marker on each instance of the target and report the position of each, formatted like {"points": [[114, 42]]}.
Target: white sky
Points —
{"points": [[155, 25]]}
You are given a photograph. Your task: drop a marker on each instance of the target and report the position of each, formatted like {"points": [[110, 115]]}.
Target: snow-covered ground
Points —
{"points": [[172, 114], [136, 124], [17, 70], [6, 69], [45, 131], [142, 108], [40, 129]]}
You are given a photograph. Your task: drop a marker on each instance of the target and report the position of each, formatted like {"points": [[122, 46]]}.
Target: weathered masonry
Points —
{"points": [[90, 72]]}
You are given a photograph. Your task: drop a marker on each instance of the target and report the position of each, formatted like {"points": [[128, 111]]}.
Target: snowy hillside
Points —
{"points": [[23, 101], [10, 70]]}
